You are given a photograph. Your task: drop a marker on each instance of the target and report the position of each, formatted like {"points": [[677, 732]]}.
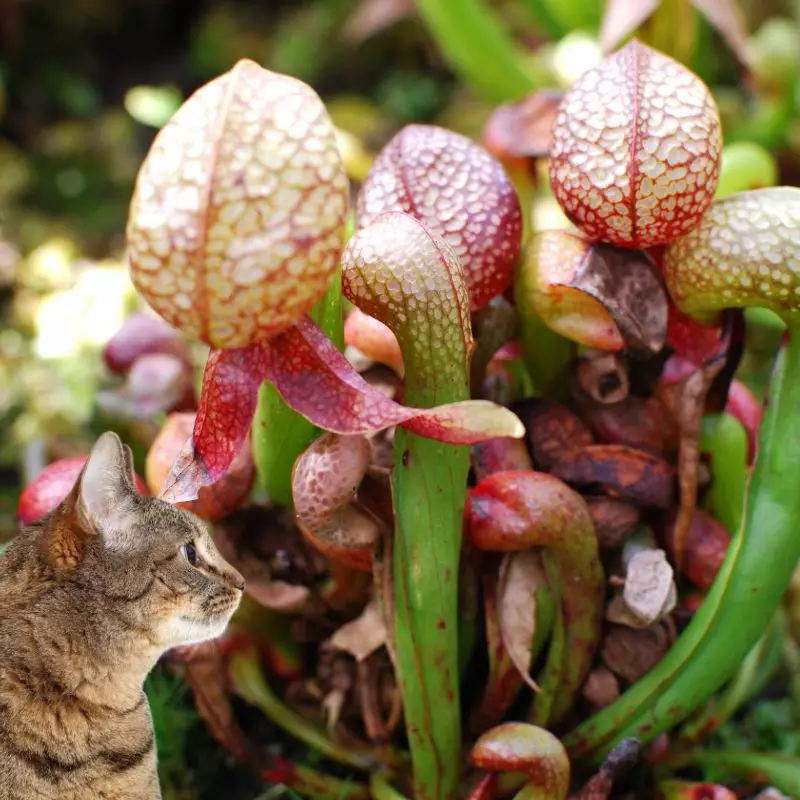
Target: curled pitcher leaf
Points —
{"points": [[745, 252], [460, 192], [143, 335], [238, 215], [530, 750], [636, 147], [594, 294], [518, 510], [325, 483], [401, 273]]}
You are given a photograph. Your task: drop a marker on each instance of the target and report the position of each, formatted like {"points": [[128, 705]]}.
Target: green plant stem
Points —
{"points": [[757, 668], [380, 788], [429, 488], [250, 684], [747, 592], [279, 433], [725, 439], [547, 355], [474, 42], [315, 785], [774, 769]]}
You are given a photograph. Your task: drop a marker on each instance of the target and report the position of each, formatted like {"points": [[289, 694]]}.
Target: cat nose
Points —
{"points": [[239, 583]]}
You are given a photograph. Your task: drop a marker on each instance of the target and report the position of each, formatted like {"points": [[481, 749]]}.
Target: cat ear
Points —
{"points": [[106, 489]]}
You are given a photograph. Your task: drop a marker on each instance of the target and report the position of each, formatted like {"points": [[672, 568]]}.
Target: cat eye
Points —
{"points": [[190, 553]]}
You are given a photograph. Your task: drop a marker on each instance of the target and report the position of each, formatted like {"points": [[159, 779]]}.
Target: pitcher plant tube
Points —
{"points": [[744, 253], [241, 235], [235, 231], [521, 509], [400, 272]]}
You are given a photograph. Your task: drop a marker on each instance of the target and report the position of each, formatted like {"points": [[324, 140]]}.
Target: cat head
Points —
{"points": [[149, 564]]}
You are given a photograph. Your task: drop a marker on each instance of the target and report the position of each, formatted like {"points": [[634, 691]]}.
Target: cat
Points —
{"points": [[91, 595]]}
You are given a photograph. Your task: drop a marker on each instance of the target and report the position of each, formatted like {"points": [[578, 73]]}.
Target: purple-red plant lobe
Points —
{"points": [[636, 147], [237, 219], [460, 192], [325, 480], [533, 751], [328, 475], [745, 252]]}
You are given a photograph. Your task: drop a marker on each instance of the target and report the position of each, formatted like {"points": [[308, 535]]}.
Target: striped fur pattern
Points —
{"points": [[90, 597]]}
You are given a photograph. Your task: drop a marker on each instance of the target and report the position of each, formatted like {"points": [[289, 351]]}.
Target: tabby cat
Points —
{"points": [[90, 596]]}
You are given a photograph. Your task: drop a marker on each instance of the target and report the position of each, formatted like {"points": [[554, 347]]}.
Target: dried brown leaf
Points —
{"points": [[613, 520], [636, 421], [553, 430], [521, 574], [205, 671], [649, 593], [631, 653], [626, 473], [362, 636], [627, 284], [687, 401]]}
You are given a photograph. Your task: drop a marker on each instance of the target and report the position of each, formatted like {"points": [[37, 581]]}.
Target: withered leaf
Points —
{"points": [[552, 429], [362, 636], [627, 284], [641, 422], [504, 680], [205, 671], [613, 520], [604, 376], [623, 472], [523, 130], [686, 400], [521, 575], [649, 593], [631, 653]]}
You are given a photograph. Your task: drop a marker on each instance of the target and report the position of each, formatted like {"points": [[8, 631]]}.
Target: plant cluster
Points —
{"points": [[514, 525]]}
